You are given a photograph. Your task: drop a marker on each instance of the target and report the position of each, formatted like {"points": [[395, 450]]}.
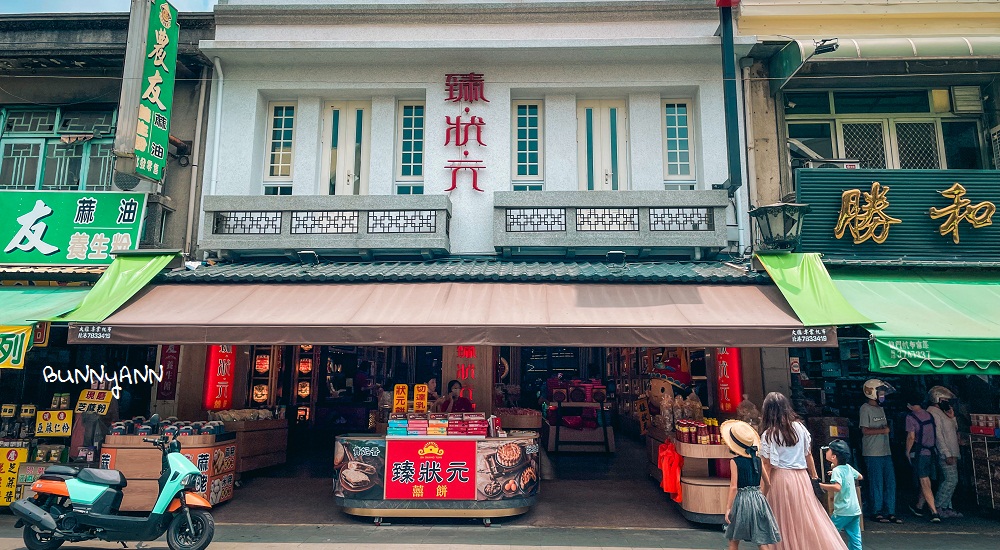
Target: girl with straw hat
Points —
{"points": [[748, 514]]}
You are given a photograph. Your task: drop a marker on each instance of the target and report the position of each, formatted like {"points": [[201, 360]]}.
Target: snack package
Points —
{"points": [[748, 412], [680, 409], [694, 407]]}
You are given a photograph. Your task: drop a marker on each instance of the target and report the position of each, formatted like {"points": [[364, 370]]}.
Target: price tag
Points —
{"points": [[420, 398], [54, 423], [7, 410], [399, 394], [28, 411], [94, 401]]}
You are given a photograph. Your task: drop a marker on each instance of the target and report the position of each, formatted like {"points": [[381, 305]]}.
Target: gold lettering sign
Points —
{"points": [[868, 220], [978, 216]]}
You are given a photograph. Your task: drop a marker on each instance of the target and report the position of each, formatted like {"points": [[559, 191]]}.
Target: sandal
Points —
{"points": [[893, 519], [881, 519]]}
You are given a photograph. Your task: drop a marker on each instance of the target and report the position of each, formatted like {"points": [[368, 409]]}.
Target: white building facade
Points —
{"points": [[442, 128]]}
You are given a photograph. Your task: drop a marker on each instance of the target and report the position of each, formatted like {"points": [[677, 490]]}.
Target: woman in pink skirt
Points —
{"points": [[785, 450]]}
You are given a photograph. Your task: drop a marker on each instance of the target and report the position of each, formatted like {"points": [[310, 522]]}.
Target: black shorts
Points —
{"points": [[924, 466]]}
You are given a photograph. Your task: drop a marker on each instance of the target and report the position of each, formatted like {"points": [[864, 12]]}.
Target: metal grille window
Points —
{"points": [[325, 222], [411, 143], [681, 219], [677, 162], [865, 141], [524, 220], [402, 221], [34, 155], [245, 222], [607, 219], [917, 145], [280, 141], [527, 144]]}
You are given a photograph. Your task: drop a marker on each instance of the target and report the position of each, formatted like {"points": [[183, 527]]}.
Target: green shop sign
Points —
{"points": [[68, 227], [933, 215], [153, 128]]}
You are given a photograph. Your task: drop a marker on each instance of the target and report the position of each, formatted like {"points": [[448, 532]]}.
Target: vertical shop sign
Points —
{"points": [[11, 459], [727, 361], [399, 395], [420, 398], [170, 357], [219, 367], [430, 470], [152, 137], [465, 88], [15, 341], [53, 423], [69, 227]]}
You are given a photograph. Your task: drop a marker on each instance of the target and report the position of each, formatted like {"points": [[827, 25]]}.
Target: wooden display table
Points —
{"points": [[704, 497], [262, 443], [599, 439], [140, 463]]}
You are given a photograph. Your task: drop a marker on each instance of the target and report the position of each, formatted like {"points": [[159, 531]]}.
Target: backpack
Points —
{"points": [[918, 443]]}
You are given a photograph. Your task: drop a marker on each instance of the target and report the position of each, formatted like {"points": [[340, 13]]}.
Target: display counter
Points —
{"points": [[704, 497], [443, 476], [262, 443], [215, 456]]}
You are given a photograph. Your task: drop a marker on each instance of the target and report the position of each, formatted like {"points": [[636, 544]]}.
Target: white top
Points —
{"points": [[788, 458], [946, 432]]}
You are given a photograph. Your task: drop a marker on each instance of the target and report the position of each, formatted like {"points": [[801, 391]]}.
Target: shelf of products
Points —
{"points": [[305, 359], [986, 469]]}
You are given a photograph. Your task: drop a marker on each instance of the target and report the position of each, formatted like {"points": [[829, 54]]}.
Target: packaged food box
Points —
{"points": [[474, 416]]}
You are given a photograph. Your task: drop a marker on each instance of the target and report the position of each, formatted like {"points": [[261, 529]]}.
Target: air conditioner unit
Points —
{"points": [[848, 164], [966, 99]]}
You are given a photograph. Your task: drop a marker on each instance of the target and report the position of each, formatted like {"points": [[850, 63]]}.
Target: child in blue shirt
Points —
{"points": [[843, 479]]}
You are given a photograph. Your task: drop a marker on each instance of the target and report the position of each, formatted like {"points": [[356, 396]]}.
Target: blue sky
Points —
{"points": [[91, 6]]}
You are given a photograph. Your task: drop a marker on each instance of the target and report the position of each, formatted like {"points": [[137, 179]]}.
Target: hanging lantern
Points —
{"points": [[304, 389], [262, 363], [305, 365], [260, 393]]}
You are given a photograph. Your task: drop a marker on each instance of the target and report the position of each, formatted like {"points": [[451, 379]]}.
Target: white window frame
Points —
{"points": [[692, 176], [269, 141], [411, 180], [527, 182], [353, 183], [603, 149]]}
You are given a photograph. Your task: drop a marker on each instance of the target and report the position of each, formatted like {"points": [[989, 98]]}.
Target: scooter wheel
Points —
{"points": [[180, 537], [33, 540]]}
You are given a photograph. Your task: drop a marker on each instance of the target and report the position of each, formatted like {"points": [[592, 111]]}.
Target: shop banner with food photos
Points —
{"points": [[507, 468], [360, 467], [422, 469]]}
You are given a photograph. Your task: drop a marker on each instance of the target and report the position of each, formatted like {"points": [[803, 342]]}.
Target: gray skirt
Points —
{"points": [[751, 518]]}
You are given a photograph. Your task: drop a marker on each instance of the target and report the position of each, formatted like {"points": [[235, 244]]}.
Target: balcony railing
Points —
{"points": [[643, 223], [397, 225]]}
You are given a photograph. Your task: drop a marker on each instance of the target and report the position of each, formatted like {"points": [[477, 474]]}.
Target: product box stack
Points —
{"points": [[416, 424], [397, 424], [438, 424], [457, 424], [476, 424], [986, 424]]}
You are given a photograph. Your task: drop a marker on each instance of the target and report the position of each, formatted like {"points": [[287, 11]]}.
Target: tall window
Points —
{"points": [[279, 148], [602, 137], [57, 149], [410, 147], [528, 174], [347, 142], [678, 145], [905, 129]]}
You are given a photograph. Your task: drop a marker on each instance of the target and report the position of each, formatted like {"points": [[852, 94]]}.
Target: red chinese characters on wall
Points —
{"points": [[728, 365], [465, 88], [220, 367], [170, 356], [466, 370]]}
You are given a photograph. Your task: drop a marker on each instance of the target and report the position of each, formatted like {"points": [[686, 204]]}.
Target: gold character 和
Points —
{"points": [[979, 215], [868, 220]]}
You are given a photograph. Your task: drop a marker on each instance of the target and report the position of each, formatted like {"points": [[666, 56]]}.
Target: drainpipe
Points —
{"points": [[729, 94], [751, 160], [220, 81], [195, 156]]}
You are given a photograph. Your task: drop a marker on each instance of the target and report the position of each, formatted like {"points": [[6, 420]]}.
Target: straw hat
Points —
{"points": [[738, 435]]}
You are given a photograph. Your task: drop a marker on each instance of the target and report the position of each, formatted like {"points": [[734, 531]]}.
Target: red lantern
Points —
{"points": [[730, 377]]}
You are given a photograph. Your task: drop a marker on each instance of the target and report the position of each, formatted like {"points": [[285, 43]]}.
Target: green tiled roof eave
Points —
{"points": [[468, 270]]}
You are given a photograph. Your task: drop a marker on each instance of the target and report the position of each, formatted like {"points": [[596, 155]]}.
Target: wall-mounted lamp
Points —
{"points": [[780, 225]]}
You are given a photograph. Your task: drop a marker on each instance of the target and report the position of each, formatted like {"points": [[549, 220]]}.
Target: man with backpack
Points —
{"points": [[921, 451]]}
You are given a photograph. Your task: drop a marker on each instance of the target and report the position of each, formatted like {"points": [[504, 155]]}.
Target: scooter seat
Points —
{"points": [[60, 470], [111, 478]]}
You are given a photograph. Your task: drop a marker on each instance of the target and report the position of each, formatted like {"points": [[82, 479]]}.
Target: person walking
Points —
{"points": [[843, 479], [921, 448], [748, 515], [788, 467], [877, 454], [946, 439]]}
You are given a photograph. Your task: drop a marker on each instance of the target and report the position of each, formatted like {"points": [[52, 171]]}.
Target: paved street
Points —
{"points": [[416, 536]]}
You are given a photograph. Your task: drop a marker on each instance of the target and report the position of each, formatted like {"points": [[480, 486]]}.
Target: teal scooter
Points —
{"points": [[74, 505]]}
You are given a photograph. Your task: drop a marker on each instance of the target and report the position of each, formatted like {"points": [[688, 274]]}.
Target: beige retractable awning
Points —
{"points": [[453, 313]]}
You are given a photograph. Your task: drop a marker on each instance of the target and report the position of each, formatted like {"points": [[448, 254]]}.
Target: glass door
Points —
{"points": [[602, 142], [347, 136]]}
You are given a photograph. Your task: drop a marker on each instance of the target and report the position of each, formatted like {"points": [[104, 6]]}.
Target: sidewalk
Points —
{"points": [[468, 535]]}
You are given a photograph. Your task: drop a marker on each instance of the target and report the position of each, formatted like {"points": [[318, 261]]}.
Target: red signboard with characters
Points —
{"points": [[219, 372], [727, 361], [430, 470], [170, 357]]}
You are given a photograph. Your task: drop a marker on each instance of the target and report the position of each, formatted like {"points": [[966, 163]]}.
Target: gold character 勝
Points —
{"points": [[868, 220]]}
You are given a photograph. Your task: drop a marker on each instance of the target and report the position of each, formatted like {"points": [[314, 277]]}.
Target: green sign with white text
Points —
{"points": [[152, 138], [68, 227]]}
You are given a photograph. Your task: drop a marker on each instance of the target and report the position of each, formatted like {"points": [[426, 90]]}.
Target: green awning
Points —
{"points": [[930, 323], [806, 285], [21, 305], [795, 54], [124, 277]]}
